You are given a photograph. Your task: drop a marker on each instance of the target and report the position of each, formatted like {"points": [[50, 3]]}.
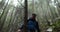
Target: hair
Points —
{"points": [[34, 14]]}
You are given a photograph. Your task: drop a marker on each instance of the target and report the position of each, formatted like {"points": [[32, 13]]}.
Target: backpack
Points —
{"points": [[31, 25]]}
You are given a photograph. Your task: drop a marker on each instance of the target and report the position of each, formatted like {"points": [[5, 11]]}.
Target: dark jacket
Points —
{"points": [[37, 26]]}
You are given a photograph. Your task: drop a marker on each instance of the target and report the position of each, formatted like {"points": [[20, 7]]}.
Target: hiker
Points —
{"points": [[32, 24]]}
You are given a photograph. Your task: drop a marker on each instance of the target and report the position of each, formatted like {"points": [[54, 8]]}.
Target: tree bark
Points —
{"points": [[25, 16]]}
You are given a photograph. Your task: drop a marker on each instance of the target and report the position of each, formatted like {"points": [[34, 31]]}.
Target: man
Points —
{"points": [[32, 24]]}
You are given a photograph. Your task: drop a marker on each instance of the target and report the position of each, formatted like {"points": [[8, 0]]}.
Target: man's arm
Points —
{"points": [[38, 30]]}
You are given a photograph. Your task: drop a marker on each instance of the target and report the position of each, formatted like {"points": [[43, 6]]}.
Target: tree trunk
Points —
{"points": [[25, 16]]}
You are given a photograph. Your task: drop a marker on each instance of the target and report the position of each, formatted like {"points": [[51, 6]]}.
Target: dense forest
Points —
{"points": [[12, 13]]}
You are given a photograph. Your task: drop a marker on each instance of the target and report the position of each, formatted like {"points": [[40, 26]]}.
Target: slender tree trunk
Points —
{"points": [[25, 16], [33, 6]]}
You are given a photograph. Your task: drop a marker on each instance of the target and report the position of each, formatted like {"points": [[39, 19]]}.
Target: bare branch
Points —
{"points": [[20, 3]]}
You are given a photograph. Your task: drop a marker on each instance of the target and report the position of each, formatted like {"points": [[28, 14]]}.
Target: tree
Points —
{"points": [[25, 16]]}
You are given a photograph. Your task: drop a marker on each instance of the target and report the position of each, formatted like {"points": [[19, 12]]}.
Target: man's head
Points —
{"points": [[33, 16]]}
